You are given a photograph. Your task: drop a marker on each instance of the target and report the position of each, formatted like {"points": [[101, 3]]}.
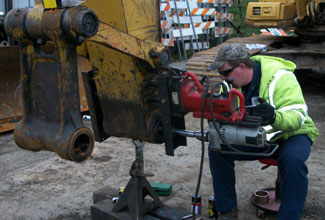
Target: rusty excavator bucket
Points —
{"points": [[10, 88], [11, 102]]}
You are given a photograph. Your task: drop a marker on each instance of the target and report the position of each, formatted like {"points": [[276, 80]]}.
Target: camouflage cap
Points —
{"points": [[229, 52]]}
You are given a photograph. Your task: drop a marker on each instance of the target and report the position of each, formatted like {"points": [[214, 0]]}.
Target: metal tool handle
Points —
{"points": [[195, 80], [236, 92], [274, 146]]}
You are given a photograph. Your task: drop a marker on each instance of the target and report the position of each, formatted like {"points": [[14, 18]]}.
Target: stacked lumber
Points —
{"points": [[200, 61]]}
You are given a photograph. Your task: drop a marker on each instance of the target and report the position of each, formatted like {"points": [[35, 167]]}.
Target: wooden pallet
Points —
{"points": [[200, 61]]}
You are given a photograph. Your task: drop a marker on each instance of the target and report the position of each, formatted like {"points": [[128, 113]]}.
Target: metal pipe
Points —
{"points": [[187, 133], [227, 21], [192, 24], [138, 150], [180, 30]]}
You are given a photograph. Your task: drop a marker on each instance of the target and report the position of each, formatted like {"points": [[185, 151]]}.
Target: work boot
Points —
{"points": [[231, 215]]}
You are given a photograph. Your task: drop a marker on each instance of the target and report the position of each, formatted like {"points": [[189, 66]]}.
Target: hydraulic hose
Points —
{"points": [[205, 94]]}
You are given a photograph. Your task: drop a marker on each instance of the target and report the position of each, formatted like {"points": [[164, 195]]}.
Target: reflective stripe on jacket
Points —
{"points": [[280, 88]]}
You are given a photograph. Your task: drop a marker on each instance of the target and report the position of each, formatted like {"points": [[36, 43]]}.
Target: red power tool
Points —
{"points": [[226, 106], [229, 122]]}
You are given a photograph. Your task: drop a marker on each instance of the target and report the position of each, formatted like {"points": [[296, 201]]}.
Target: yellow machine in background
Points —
{"points": [[306, 18], [286, 13], [271, 13]]}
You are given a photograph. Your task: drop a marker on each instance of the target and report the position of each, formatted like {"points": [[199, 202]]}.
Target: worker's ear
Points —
{"points": [[242, 65]]}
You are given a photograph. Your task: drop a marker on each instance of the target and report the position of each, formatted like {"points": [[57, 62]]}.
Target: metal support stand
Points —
{"points": [[193, 28], [133, 203], [227, 21], [180, 31], [137, 189]]}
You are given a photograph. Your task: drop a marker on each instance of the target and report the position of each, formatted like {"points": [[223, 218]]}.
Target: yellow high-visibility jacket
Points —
{"points": [[280, 88]]}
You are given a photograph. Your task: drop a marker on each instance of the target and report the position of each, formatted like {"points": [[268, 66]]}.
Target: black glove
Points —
{"points": [[265, 111]]}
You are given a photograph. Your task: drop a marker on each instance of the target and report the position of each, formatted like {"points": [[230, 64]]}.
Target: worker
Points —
{"points": [[269, 83]]}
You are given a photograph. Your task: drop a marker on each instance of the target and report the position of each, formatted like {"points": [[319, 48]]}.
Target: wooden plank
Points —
{"points": [[199, 70], [200, 61], [193, 63]]}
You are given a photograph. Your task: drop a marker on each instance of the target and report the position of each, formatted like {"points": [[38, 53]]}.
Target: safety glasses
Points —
{"points": [[227, 72]]}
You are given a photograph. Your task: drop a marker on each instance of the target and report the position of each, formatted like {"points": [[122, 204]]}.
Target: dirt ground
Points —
{"points": [[43, 186]]}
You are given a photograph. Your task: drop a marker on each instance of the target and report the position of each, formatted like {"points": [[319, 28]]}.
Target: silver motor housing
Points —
{"points": [[236, 135]]}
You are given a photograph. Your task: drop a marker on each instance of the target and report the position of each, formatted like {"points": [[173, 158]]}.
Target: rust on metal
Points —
{"points": [[51, 108], [124, 54], [128, 44], [10, 88]]}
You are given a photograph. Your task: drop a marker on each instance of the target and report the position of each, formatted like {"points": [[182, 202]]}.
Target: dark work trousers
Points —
{"points": [[291, 155]]}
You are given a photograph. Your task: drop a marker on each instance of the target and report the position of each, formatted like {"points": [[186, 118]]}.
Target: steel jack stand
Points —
{"points": [[137, 189], [134, 203]]}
